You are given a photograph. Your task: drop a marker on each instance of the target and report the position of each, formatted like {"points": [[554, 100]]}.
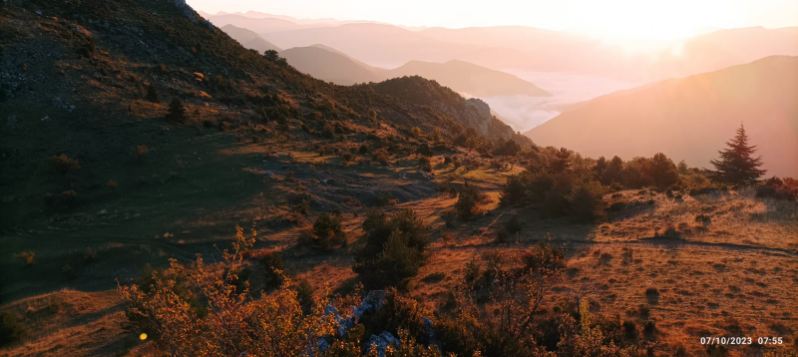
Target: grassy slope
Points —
{"points": [[197, 183]]}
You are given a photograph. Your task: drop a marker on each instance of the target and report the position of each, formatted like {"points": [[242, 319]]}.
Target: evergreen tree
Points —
{"points": [[737, 165], [151, 95], [177, 113]]}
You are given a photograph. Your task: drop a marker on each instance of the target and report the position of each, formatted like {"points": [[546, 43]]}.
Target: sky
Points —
{"points": [[622, 20]]}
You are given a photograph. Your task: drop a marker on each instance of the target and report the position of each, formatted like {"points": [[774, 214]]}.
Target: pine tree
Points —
{"points": [[737, 165], [177, 113]]}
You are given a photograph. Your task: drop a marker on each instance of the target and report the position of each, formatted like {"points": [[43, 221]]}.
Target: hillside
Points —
{"points": [[469, 78], [690, 118], [166, 191], [329, 65], [85, 93], [249, 39]]}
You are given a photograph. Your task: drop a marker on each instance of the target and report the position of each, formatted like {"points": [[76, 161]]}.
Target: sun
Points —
{"points": [[641, 24]]}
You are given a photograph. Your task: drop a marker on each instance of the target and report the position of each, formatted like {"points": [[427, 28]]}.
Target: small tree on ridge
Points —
{"points": [[736, 164]]}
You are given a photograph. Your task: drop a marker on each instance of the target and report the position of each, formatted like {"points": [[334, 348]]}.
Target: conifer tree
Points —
{"points": [[737, 164], [177, 113]]}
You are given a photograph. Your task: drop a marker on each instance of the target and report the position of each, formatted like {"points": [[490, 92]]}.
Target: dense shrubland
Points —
{"points": [[393, 251], [499, 309], [560, 183]]}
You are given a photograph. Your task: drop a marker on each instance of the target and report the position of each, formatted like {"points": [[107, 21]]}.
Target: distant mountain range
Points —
{"points": [[518, 47], [690, 118], [469, 78], [328, 64], [249, 39]]}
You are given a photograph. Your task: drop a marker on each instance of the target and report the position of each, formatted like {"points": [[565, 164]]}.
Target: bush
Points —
{"points": [[274, 56], [659, 172], [563, 194], [507, 148], [394, 249], [28, 257], [510, 229], [64, 164], [774, 187], [327, 232], [544, 259], [652, 296], [274, 268], [585, 202], [466, 205], [425, 164], [514, 191], [11, 330], [177, 112]]}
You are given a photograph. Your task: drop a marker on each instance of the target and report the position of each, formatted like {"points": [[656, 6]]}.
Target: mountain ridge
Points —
{"points": [[690, 118]]}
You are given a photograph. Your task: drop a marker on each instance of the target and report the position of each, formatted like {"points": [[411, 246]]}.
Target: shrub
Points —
{"points": [[425, 164], [28, 257], [11, 330], [650, 330], [630, 331], [544, 258], [304, 294], [273, 267], [774, 187], [424, 149], [652, 295], [177, 112], [327, 232], [507, 148], [64, 164], [274, 56], [556, 194], [381, 156], [510, 229], [670, 232], [466, 205], [662, 172], [585, 202], [658, 171], [394, 249], [514, 191]]}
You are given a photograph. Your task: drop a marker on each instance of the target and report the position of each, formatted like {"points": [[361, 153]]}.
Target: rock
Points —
{"points": [[382, 341]]}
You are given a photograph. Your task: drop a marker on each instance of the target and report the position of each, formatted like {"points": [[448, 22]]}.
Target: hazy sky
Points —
{"points": [[610, 19]]}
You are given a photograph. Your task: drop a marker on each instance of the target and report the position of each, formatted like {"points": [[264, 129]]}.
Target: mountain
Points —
{"points": [[724, 48], [331, 65], [389, 46], [145, 118], [249, 39], [469, 78], [260, 25], [376, 44], [691, 118], [526, 48]]}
